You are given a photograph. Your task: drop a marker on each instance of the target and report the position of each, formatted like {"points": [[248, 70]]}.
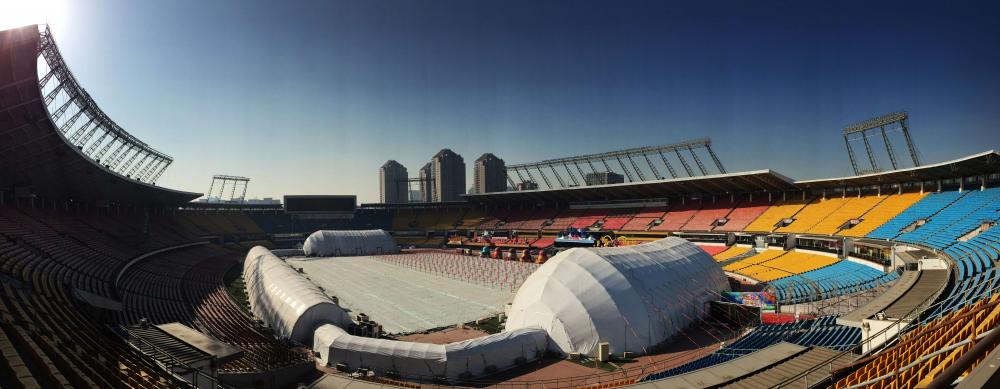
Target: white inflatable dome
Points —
{"points": [[633, 297], [329, 243]]}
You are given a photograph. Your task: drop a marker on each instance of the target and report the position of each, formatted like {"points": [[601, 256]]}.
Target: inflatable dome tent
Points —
{"points": [[328, 243], [633, 297]]}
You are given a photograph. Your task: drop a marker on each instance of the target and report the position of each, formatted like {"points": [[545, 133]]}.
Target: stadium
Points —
{"points": [[674, 277]]}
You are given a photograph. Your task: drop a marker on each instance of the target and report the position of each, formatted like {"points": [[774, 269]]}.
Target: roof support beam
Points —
{"points": [[888, 148], [544, 178], [638, 172], [715, 158], [624, 169], [570, 173], [652, 167], [555, 172], [670, 168], [687, 168], [701, 166]]}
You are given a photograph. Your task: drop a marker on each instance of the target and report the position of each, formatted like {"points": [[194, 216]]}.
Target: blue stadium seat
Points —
{"points": [[822, 332], [924, 208], [844, 277]]}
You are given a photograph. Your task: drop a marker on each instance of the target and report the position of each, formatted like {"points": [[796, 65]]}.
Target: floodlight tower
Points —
{"points": [[232, 182], [861, 131]]}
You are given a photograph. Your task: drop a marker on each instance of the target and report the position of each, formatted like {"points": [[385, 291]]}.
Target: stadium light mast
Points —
{"points": [[894, 121], [231, 181]]}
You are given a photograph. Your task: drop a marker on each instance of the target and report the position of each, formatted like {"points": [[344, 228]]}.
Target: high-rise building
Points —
{"points": [[603, 178], [392, 183], [490, 174], [449, 175], [427, 183]]}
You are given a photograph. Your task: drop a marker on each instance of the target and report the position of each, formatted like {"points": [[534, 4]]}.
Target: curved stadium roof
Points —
{"points": [[37, 158]]}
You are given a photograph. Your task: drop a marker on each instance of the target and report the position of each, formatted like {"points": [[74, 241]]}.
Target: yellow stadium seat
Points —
{"points": [[731, 252], [882, 212], [776, 213], [966, 323], [813, 213], [852, 208]]}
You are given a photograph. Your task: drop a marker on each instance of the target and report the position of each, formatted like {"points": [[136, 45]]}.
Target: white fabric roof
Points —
{"points": [[633, 297], [328, 243], [409, 359], [285, 300]]}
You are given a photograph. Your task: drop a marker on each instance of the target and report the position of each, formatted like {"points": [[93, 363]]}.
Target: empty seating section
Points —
{"points": [[645, 217], [515, 219], [527, 219], [543, 242], [909, 363], [618, 218], [759, 258], [977, 254], [493, 219], [768, 266], [589, 217], [957, 220], [841, 278], [781, 210], [927, 206], [823, 332], [731, 252], [967, 291], [709, 213], [565, 219], [472, 219], [812, 214], [447, 219], [404, 219], [883, 212], [744, 214], [186, 286], [712, 250], [45, 255], [47, 342], [852, 208], [678, 216]]}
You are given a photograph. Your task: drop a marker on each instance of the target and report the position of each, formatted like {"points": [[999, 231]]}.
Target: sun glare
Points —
{"points": [[17, 13]]}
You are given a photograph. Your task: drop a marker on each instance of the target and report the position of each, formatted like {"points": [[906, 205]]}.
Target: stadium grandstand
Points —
{"points": [[743, 279]]}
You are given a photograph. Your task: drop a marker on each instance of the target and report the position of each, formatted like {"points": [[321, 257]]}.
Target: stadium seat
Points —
{"points": [[813, 213], [883, 212], [781, 210]]}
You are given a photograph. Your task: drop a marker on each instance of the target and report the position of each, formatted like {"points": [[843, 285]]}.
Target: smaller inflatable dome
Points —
{"points": [[346, 243], [632, 297]]}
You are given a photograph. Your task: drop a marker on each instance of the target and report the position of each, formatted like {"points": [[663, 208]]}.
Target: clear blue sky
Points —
{"points": [[312, 97]]}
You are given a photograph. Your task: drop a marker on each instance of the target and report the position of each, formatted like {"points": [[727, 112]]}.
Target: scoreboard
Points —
{"points": [[320, 204]]}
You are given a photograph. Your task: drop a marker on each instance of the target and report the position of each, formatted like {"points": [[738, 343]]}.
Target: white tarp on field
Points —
{"points": [[402, 300], [328, 243], [633, 297], [470, 358], [285, 300]]}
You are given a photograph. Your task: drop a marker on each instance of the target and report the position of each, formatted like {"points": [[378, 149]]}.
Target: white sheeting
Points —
{"points": [[401, 299], [454, 360], [329, 243], [633, 297], [285, 300]]}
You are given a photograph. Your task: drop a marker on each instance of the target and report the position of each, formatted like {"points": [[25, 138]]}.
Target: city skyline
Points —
{"points": [[353, 84]]}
